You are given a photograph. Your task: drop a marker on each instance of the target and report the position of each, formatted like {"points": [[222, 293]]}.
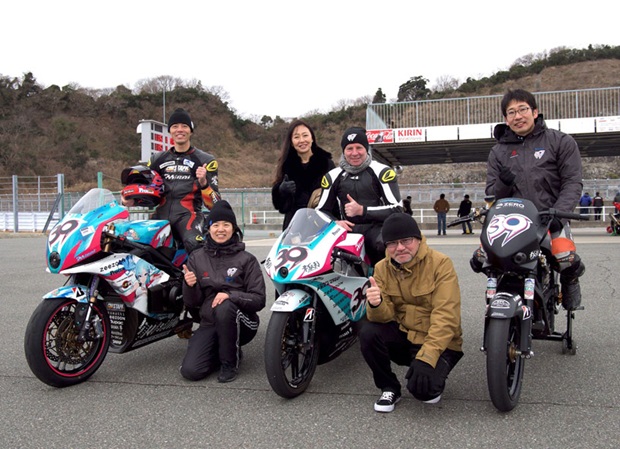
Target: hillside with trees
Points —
{"points": [[79, 132]]}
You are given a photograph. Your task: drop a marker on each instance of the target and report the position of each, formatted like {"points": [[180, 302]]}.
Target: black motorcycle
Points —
{"points": [[522, 295]]}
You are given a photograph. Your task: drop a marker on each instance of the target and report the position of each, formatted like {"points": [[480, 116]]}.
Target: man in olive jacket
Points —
{"points": [[414, 316]]}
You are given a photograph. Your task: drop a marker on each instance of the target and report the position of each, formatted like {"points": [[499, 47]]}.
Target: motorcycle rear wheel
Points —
{"points": [[504, 366], [51, 344], [290, 357]]}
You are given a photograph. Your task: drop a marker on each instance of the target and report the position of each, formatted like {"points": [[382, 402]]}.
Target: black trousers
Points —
{"points": [[373, 242], [383, 343], [215, 344]]}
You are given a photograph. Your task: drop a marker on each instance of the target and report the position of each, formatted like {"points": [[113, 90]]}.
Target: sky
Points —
{"points": [[288, 58]]}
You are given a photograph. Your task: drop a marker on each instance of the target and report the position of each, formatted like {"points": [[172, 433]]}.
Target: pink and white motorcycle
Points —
{"points": [[320, 272]]}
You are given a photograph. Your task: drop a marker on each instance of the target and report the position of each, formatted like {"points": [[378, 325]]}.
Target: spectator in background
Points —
{"points": [[585, 202], [617, 201], [598, 204], [464, 211], [407, 205], [441, 207], [301, 166]]}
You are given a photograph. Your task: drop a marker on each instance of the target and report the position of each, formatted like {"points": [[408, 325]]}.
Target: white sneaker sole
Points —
{"points": [[386, 408], [433, 401]]}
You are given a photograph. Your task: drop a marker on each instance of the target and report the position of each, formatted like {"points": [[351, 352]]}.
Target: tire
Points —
{"points": [[290, 361], [504, 366], [53, 352]]}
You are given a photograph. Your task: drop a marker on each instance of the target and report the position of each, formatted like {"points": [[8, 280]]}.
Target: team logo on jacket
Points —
{"points": [[325, 182], [212, 166], [388, 176], [230, 274], [539, 152], [188, 163]]}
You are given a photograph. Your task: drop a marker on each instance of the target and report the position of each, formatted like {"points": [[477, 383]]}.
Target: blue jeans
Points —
{"points": [[441, 222]]}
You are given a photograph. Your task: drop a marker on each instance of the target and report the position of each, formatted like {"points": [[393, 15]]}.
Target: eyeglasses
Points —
{"points": [[513, 112], [394, 244]]}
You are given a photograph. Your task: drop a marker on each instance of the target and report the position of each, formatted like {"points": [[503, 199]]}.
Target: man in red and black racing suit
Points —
{"points": [[190, 179]]}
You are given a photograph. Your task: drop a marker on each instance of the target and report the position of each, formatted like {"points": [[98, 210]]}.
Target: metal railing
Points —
{"points": [[567, 104], [254, 206]]}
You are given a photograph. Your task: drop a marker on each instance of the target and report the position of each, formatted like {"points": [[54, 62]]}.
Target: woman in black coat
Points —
{"points": [[301, 166]]}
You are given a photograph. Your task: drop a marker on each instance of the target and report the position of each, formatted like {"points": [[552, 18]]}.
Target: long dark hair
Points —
{"points": [[288, 151]]}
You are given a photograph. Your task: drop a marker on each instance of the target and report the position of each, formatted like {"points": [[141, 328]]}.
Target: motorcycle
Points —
{"points": [[123, 290], [614, 221], [522, 295], [320, 272]]}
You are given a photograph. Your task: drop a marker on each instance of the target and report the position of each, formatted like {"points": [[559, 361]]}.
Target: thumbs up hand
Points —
{"points": [[353, 208], [201, 174], [190, 277], [287, 188], [373, 293]]}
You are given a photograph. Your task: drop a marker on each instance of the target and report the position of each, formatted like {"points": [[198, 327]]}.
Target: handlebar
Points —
{"points": [[339, 254], [559, 214]]}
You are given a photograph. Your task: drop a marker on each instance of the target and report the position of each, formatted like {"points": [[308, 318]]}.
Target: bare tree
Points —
{"points": [[446, 83]]}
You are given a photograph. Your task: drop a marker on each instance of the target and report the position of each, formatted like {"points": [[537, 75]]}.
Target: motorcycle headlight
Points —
{"points": [[283, 272], [54, 260]]}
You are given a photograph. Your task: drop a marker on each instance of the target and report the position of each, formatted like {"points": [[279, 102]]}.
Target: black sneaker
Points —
{"points": [[227, 374], [386, 402]]}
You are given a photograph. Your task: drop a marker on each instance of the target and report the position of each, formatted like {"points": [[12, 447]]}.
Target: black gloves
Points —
{"points": [[287, 188], [420, 377], [506, 176]]}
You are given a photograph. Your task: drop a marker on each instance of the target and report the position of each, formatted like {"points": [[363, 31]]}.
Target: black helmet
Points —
{"points": [[139, 174]]}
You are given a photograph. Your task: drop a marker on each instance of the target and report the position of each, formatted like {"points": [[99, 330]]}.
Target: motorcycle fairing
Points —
{"points": [[156, 233], [291, 300], [342, 296], [77, 291], [129, 276], [354, 244], [74, 238], [512, 226]]}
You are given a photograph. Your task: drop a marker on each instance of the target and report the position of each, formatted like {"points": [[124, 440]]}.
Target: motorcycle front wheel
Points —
{"points": [[53, 350], [291, 353], [504, 365]]}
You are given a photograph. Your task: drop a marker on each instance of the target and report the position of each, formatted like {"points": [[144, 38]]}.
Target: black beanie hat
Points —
{"points": [[354, 134], [400, 226], [180, 116], [222, 212]]}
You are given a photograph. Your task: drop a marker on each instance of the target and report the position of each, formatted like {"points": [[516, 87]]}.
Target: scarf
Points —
{"points": [[355, 170]]}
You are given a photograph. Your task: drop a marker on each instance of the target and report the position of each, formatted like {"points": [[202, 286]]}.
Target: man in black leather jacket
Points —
{"points": [[361, 193]]}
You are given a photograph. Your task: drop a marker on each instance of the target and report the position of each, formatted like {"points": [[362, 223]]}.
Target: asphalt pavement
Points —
{"points": [[139, 399]]}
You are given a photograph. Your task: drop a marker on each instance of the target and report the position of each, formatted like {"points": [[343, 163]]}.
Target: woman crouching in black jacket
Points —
{"points": [[226, 283]]}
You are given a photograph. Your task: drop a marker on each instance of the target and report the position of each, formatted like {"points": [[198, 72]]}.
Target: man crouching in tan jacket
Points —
{"points": [[414, 316]]}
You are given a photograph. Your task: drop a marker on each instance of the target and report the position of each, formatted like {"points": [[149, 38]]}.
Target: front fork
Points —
{"points": [[84, 313], [309, 323], [524, 312]]}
